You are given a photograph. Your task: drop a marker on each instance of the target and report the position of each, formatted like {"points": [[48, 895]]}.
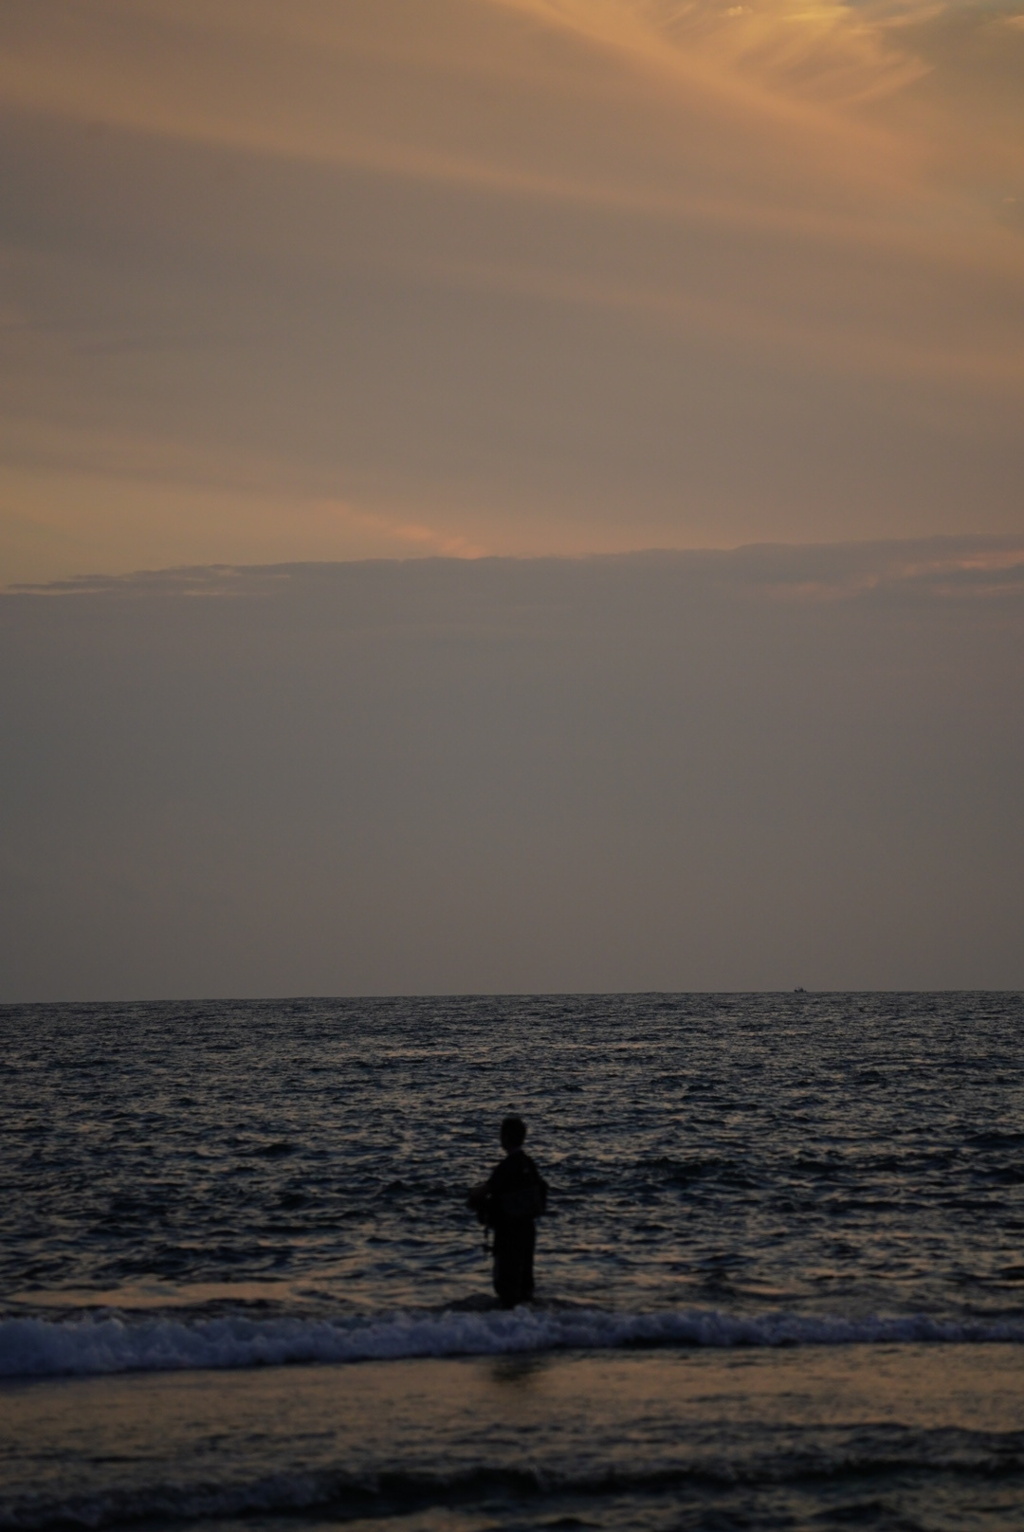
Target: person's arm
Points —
{"points": [[481, 1198]]}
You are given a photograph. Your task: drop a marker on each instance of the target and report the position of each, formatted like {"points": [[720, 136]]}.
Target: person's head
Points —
{"points": [[513, 1133]]}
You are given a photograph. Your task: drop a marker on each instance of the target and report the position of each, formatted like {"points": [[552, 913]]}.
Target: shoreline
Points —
{"points": [[396, 1438]]}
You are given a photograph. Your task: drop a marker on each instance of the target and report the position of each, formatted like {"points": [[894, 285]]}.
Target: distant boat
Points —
{"points": [[799, 990]]}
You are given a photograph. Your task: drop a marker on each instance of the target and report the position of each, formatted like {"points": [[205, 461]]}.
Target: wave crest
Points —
{"points": [[32, 1347]]}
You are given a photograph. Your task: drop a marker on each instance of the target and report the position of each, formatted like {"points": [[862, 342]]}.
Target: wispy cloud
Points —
{"points": [[505, 275], [820, 51], [945, 568]]}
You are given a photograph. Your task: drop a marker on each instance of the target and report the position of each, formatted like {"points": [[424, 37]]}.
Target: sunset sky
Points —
{"points": [[510, 495], [338, 279]]}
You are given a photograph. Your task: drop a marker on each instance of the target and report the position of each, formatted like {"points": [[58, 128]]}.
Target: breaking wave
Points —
{"points": [[32, 1347]]}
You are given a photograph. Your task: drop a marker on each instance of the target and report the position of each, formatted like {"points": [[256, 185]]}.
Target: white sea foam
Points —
{"points": [[32, 1347]]}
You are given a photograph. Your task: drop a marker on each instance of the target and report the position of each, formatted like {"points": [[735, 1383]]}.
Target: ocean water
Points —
{"points": [[780, 1284]]}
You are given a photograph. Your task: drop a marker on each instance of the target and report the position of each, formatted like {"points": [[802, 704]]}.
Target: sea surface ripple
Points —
{"points": [[843, 1156]]}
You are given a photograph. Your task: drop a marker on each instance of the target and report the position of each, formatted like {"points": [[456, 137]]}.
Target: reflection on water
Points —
{"points": [[928, 1436], [525, 1368], [832, 1154], [262, 1182]]}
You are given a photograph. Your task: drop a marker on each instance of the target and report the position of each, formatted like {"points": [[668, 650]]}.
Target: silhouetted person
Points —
{"points": [[509, 1201]]}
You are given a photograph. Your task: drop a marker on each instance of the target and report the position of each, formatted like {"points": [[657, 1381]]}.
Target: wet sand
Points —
{"points": [[638, 1437]]}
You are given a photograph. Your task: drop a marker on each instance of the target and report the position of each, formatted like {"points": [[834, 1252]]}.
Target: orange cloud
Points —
{"points": [[505, 275]]}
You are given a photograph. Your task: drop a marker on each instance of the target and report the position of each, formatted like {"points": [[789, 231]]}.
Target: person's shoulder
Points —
{"points": [[511, 1168], [527, 1166]]}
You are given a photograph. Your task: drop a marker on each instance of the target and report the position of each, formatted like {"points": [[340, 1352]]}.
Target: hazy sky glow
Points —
{"points": [[386, 334], [755, 769], [396, 277]]}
